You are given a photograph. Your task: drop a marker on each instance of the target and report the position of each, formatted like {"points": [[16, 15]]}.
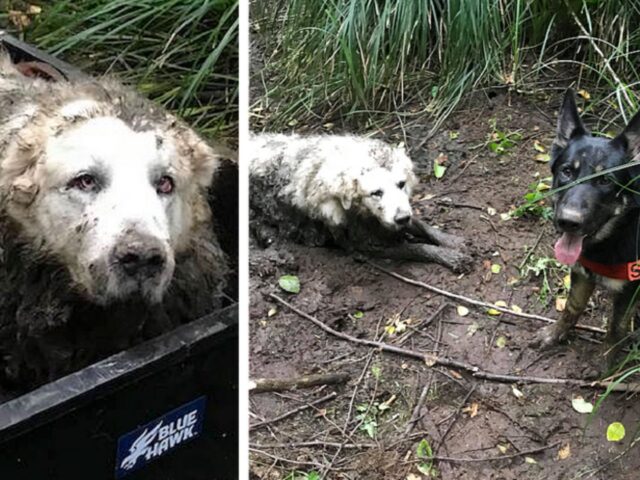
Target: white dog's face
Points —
{"points": [[386, 195], [110, 206]]}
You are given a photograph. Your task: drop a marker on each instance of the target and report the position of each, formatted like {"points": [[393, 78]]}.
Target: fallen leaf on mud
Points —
{"points": [[561, 303], [453, 135], [496, 268], [462, 311], [564, 452], [516, 308], [289, 283], [358, 314], [438, 170], [566, 281], [543, 157], [584, 94], [615, 432], [390, 329], [491, 211], [581, 406], [499, 303], [411, 476], [501, 341], [538, 147], [472, 409], [530, 460], [472, 329], [404, 366], [272, 311], [505, 216], [502, 447], [517, 393], [430, 360]]}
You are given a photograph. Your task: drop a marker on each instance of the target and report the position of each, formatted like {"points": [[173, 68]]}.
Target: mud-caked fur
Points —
{"points": [[65, 299], [343, 190]]}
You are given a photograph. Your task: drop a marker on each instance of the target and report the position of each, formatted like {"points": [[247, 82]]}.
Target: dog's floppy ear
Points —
{"points": [[569, 123]]}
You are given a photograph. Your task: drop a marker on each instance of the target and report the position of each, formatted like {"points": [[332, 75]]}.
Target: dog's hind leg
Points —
{"points": [[420, 252], [581, 290], [624, 307], [420, 229]]}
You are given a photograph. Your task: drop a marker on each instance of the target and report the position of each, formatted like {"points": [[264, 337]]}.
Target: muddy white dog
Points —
{"points": [[351, 190], [104, 221]]}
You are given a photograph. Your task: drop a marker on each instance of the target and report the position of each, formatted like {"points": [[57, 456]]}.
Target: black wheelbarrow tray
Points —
{"points": [[164, 410]]}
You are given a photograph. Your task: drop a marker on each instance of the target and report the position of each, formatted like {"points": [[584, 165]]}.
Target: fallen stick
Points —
{"points": [[313, 443], [476, 372], [477, 303], [261, 385], [494, 459], [288, 414]]}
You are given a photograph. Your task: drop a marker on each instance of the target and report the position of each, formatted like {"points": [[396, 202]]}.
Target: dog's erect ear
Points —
{"points": [[569, 123], [629, 139]]}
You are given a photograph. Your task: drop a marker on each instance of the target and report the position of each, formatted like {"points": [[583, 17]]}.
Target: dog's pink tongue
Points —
{"points": [[568, 248]]}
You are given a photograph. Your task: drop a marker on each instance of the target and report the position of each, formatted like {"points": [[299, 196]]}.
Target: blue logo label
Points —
{"points": [[162, 435]]}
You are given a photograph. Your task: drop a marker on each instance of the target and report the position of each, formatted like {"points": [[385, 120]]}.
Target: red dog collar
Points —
{"points": [[620, 271]]}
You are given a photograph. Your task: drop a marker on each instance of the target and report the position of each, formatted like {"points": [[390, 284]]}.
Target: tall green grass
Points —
{"points": [[356, 57], [181, 53]]}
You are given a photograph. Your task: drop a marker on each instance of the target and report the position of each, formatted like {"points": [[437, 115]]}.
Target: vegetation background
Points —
{"points": [[181, 53]]}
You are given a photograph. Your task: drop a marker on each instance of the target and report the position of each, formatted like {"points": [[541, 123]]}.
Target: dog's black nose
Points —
{"points": [[569, 221], [139, 258], [402, 218]]}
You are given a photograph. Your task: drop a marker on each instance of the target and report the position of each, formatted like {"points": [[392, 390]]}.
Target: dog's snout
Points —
{"points": [[140, 257], [402, 218], [570, 220]]}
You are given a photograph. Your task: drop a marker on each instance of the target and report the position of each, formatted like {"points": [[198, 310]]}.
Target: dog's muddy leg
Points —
{"points": [[624, 307], [581, 290], [420, 229], [420, 252]]}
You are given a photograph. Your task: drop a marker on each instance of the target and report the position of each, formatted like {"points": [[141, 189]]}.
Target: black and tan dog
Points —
{"points": [[598, 217]]}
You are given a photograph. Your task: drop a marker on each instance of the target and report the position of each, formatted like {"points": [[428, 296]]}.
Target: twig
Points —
{"points": [[260, 385], [288, 414], [314, 443], [474, 302], [455, 417], [531, 250], [475, 371], [444, 203], [495, 459]]}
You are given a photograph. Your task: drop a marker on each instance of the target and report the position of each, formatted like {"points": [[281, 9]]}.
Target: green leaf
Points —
{"points": [[615, 432], [424, 450], [376, 371], [501, 341], [370, 428], [495, 268], [289, 283], [358, 314], [313, 476], [438, 170]]}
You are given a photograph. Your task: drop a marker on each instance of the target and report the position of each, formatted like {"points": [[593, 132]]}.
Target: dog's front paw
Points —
{"points": [[456, 260], [549, 337]]}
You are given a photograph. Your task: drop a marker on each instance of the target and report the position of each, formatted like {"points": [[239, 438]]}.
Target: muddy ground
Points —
{"points": [[462, 417]]}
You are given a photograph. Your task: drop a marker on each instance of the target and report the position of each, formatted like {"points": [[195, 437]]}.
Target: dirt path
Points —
{"points": [[461, 417]]}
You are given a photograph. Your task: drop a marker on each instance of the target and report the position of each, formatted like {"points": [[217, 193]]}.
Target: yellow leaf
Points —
{"points": [[462, 311], [561, 304], [495, 268], [516, 308], [272, 311], [584, 94], [543, 157], [615, 432], [566, 281], [564, 452], [517, 393], [530, 460], [538, 147], [472, 409], [502, 448]]}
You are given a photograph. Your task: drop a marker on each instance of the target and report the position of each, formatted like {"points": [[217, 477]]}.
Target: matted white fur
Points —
{"points": [[79, 108], [326, 176]]}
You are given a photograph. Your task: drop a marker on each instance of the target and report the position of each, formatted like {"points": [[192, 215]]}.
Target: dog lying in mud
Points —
{"points": [[105, 229], [598, 218], [348, 191]]}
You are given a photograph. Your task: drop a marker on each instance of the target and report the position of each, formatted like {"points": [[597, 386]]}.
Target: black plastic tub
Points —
{"points": [[163, 410]]}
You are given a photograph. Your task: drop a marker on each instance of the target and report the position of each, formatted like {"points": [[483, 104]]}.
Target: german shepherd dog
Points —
{"points": [[598, 219]]}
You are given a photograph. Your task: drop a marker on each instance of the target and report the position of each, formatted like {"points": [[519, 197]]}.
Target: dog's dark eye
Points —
{"points": [[377, 193], [165, 185], [401, 184], [84, 182], [567, 172]]}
